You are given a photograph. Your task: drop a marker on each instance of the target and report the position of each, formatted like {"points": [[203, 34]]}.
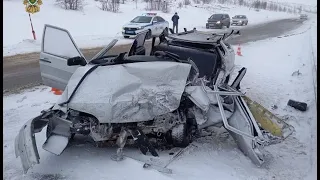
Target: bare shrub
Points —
{"points": [[186, 2], [164, 5], [222, 1], [110, 5], [71, 4], [180, 5], [206, 1], [158, 5], [197, 1], [240, 2]]}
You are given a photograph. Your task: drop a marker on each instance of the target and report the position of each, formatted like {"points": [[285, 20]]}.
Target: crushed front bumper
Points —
{"points": [[25, 142]]}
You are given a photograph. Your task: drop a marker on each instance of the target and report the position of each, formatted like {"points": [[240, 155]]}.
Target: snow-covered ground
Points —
{"points": [[93, 27], [268, 81]]}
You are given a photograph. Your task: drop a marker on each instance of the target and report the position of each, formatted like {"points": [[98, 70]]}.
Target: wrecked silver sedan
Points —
{"points": [[161, 98]]}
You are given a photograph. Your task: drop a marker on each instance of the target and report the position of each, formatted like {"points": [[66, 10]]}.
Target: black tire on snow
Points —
{"points": [[180, 136]]}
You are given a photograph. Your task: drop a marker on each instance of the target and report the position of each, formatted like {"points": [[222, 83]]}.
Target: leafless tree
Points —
{"points": [[186, 2], [110, 5], [71, 4]]}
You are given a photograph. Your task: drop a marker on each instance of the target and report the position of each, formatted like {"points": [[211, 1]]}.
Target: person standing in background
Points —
{"points": [[175, 20]]}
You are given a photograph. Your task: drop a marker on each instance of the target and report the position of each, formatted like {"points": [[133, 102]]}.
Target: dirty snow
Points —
{"points": [[268, 81], [93, 27]]}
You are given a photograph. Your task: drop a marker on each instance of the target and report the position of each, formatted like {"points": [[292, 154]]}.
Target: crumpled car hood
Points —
{"points": [[131, 92]]}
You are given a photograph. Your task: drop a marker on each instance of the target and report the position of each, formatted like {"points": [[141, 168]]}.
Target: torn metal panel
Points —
{"points": [[247, 145]]}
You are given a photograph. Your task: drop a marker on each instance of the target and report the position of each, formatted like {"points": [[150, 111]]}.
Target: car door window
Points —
{"points": [[59, 43], [57, 47], [160, 19], [155, 19]]}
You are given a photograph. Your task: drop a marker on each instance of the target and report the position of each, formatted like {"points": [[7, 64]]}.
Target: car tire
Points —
{"points": [[180, 136], [149, 33]]}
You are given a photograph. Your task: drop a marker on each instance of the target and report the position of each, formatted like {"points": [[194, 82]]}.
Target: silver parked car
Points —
{"points": [[239, 20]]}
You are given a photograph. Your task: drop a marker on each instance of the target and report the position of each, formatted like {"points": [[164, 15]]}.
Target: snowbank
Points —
{"points": [[268, 81], [93, 27]]}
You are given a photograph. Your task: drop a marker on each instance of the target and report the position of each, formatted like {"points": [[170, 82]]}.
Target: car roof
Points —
{"points": [[220, 14]]}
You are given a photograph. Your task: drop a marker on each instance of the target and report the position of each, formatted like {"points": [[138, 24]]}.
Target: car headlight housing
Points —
{"points": [[139, 27], [240, 21], [218, 22]]}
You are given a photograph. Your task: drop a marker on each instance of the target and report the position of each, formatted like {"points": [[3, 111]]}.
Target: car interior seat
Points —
{"points": [[206, 61], [137, 47]]}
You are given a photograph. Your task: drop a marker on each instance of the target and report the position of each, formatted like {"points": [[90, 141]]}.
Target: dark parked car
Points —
{"points": [[218, 21]]}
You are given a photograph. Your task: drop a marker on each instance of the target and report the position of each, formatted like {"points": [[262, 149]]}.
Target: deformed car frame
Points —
{"points": [[156, 99]]}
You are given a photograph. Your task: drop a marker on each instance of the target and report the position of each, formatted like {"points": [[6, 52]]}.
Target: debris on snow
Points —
{"points": [[302, 106]]}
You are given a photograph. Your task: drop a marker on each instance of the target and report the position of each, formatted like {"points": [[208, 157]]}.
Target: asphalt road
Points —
{"points": [[21, 71]]}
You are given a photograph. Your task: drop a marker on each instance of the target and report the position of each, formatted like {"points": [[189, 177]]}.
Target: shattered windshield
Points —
{"points": [[142, 19]]}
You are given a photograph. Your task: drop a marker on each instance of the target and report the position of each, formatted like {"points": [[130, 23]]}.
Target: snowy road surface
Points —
{"points": [[268, 81], [22, 70]]}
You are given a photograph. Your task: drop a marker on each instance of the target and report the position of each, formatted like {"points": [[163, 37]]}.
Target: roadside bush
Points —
{"points": [[70, 4], [186, 2], [110, 5], [206, 1], [158, 5], [196, 1]]}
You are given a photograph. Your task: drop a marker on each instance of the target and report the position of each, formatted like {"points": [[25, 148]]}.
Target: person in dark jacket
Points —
{"points": [[175, 19]]}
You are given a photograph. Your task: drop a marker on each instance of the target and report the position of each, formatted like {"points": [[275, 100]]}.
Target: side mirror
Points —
{"points": [[154, 22], [76, 61]]}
